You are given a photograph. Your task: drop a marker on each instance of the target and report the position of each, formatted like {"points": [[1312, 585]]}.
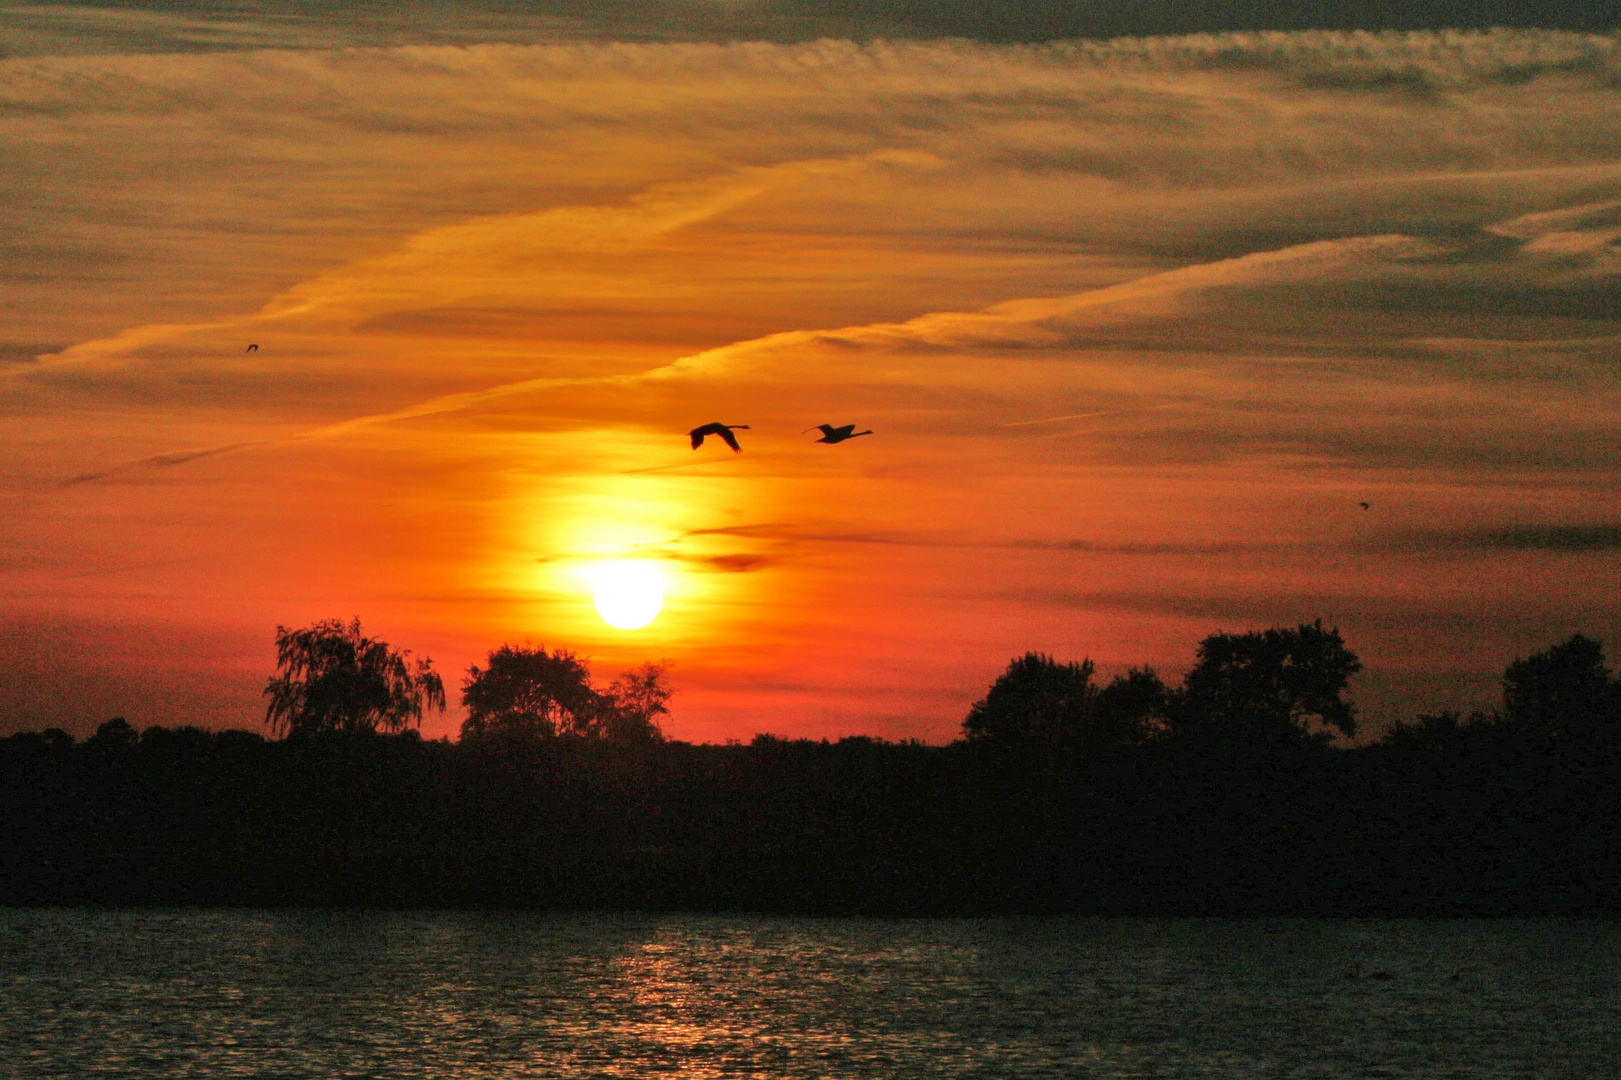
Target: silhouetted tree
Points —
{"points": [[1564, 690], [526, 691], [331, 678], [115, 734], [175, 740], [633, 702], [1269, 687], [1036, 703], [1445, 730], [1130, 710]]}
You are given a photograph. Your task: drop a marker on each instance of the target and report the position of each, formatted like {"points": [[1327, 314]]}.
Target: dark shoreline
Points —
{"points": [[1502, 828]]}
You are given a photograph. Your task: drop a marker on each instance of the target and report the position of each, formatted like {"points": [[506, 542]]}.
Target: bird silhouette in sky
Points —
{"points": [[831, 434], [1363, 505], [718, 428], [253, 348]]}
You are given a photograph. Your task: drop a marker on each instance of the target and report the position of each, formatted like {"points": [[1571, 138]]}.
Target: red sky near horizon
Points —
{"points": [[1138, 326]]}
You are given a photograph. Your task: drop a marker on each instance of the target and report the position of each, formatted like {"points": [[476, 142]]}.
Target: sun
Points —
{"points": [[628, 593]]}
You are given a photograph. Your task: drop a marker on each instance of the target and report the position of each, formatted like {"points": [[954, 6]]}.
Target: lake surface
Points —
{"points": [[322, 994]]}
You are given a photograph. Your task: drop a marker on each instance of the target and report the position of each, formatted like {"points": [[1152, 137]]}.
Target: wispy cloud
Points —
{"points": [[158, 461], [1598, 537]]}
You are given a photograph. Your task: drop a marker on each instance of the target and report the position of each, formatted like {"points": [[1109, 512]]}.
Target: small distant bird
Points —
{"points": [[1363, 505], [718, 428], [831, 434], [253, 348]]}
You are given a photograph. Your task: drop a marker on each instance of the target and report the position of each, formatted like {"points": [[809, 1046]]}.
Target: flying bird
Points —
{"points": [[831, 434], [253, 348], [718, 428], [1363, 505]]}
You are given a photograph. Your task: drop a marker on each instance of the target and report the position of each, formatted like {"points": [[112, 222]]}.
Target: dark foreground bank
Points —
{"points": [[1474, 820]]}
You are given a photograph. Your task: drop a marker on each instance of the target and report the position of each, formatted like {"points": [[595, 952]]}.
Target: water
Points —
{"points": [[317, 994]]}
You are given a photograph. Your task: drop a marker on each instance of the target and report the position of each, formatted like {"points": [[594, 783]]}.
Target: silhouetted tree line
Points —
{"points": [[1228, 793], [332, 679]]}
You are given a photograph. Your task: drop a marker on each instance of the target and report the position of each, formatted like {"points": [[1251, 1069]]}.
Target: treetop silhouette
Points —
{"points": [[637, 698], [1275, 686], [332, 679], [1271, 687], [1039, 703], [527, 692], [1036, 702], [1563, 691]]}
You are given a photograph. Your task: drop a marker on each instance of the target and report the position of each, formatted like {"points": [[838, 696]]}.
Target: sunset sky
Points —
{"points": [[1138, 325]]}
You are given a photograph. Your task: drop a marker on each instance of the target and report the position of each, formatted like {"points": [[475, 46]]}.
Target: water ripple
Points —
{"points": [[322, 994]]}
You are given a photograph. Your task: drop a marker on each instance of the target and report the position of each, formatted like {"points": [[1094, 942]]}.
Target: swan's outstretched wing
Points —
{"points": [[716, 428]]}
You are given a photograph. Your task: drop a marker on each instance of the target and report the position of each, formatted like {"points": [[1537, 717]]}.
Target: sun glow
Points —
{"points": [[628, 593]]}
